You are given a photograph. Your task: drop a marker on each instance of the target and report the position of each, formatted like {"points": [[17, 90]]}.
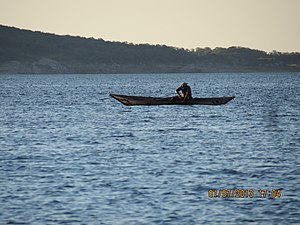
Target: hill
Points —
{"points": [[24, 51]]}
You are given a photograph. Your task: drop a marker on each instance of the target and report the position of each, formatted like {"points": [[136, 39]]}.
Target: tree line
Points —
{"points": [[27, 47]]}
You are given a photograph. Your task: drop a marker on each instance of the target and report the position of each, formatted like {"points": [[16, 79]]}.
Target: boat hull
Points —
{"points": [[141, 100]]}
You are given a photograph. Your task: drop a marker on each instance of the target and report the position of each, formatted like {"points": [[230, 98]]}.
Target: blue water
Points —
{"points": [[70, 154]]}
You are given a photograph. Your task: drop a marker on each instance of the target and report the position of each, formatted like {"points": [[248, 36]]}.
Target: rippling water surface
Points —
{"points": [[70, 154]]}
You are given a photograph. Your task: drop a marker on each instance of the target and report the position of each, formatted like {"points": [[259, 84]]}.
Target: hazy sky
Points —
{"points": [[260, 24]]}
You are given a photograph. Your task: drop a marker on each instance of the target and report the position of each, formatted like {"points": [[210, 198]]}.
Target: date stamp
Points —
{"points": [[244, 193]]}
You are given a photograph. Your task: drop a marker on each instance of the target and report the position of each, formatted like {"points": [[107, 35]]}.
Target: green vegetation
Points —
{"points": [[23, 51]]}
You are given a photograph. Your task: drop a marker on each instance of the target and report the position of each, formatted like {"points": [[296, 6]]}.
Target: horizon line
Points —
{"points": [[143, 43]]}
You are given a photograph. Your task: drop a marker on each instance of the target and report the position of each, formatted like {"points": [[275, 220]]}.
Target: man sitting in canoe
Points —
{"points": [[186, 92]]}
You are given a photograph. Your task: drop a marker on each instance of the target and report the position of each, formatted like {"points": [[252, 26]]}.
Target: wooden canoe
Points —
{"points": [[140, 100]]}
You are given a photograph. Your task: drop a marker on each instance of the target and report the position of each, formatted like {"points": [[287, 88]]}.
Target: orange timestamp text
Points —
{"points": [[244, 193]]}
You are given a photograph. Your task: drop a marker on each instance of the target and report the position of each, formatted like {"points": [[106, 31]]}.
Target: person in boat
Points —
{"points": [[186, 92]]}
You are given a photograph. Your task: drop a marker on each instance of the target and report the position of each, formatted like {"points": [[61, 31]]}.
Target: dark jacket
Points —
{"points": [[186, 92]]}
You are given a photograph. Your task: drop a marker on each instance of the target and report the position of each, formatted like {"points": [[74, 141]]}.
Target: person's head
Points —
{"points": [[183, 84]]}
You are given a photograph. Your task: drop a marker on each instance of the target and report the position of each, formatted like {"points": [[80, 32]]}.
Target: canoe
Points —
{"points": [[140, 100]]}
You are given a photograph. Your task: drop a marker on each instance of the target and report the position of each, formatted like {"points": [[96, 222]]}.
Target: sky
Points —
{"points": [[258, 24]]}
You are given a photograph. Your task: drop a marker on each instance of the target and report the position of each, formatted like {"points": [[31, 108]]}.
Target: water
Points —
{"points": [[70, 154]]}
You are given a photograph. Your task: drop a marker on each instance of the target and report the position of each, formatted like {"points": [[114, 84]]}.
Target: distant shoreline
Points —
{"points": [[28, 52], [138, 74]]}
